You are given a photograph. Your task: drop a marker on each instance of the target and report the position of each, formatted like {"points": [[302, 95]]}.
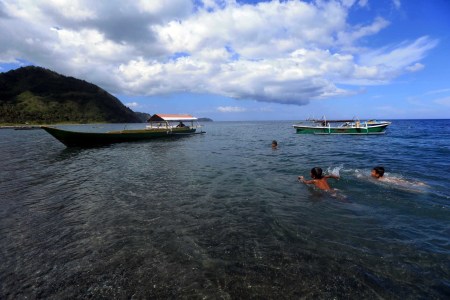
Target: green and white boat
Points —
{"points": [[354, 127], [160, 125]]}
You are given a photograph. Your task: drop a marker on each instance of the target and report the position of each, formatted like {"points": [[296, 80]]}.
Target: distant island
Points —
{"points": [[205, 120], [34, 95]]}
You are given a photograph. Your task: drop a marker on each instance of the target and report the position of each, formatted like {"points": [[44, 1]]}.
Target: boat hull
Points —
{"points": [[353, 130], [86, 139]]}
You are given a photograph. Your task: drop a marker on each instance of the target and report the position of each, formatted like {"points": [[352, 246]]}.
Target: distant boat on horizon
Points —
{"points": [[351, 127]]}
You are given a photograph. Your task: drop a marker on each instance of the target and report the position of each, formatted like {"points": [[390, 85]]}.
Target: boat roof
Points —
{"points": [[171, 117], [334, 121]]}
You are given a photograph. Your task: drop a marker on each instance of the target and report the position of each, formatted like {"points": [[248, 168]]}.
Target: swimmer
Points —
{"points": [[274, 144], [377, 172], [318, 179]]}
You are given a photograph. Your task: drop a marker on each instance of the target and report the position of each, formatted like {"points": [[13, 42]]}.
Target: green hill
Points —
{"points": [[36, 95], [143, 117]]}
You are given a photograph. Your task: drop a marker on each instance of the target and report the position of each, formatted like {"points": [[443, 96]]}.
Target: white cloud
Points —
{"points": [[389, 62], [347, 38], [415, 67], [132, 104], [399, 56], [231, 109], [397, 4], [440, 91], [279, 51], [362, 3], [443, 101]]}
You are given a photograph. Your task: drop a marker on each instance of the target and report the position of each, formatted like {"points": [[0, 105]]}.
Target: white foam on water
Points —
{"points": [[391, 180], [399, 182], [335, 170]]}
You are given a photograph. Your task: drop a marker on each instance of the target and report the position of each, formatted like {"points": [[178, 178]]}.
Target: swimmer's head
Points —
{"points": [[316, 173], [377, 172]]}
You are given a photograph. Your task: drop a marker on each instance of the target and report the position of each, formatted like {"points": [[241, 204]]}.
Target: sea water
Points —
{"points": [[222, 215]]}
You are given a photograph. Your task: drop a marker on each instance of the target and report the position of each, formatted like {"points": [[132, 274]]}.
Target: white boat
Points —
{"points": [[354, 127]]}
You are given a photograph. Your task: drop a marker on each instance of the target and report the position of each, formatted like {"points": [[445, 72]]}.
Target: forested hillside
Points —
{"points": [[35, 95]]}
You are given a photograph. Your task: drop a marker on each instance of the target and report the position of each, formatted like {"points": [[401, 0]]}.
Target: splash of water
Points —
{"points": [[335, 170]]}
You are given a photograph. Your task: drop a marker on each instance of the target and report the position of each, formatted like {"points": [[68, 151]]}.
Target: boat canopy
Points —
{"points": [[333, 121], [171, 117]]}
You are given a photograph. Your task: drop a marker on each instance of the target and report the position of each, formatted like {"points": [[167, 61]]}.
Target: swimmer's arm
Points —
{"points": [[302, 179], [333, 176]]}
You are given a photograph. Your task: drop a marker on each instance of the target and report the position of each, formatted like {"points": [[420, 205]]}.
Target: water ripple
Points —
{"points": [[222, 215]]}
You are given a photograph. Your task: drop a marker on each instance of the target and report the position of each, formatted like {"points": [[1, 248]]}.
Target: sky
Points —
{"points": [[233, 60]]}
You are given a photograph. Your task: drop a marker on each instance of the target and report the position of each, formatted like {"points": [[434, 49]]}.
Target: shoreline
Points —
{"points": [[21, 127]]}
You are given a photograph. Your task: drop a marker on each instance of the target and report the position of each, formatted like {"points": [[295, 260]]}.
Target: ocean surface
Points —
{"points": [[222, 215]]}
